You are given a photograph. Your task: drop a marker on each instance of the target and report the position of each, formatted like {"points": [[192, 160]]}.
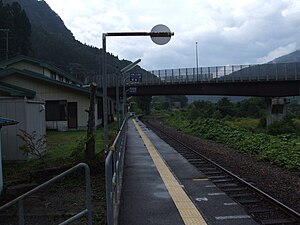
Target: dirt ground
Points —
{"points": [[61, 201]]}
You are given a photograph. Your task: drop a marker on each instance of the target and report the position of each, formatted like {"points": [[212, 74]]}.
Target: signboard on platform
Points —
{"points": [[135, 78]]}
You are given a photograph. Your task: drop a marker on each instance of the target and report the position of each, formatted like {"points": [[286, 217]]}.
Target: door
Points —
{"points": [[72, 115]]}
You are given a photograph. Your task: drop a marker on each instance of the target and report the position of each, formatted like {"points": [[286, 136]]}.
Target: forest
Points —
{"points": [[15, 31]]}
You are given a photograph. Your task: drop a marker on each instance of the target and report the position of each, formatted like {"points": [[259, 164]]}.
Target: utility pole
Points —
{"points": [[6, 30], [90, 144], [197, 57]]}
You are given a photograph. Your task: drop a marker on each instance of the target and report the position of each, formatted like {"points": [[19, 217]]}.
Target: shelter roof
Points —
{"points": [[7, 122], [15, 91]]}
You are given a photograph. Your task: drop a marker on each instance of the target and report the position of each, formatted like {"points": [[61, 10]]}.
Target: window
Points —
{"points": [[56, 110], [53, 75]]}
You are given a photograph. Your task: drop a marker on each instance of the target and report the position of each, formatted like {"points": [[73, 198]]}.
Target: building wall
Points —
{"points": [[46, 91], [31, 117], [28, 66], [37, 69]]}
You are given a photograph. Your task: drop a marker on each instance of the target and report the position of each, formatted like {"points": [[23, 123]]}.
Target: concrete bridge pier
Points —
{"points": [[276, 109]]}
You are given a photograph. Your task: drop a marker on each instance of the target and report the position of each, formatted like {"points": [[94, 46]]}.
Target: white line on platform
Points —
{"points": [[230, 203], [232, 217], [209, 186], [215, 194]]}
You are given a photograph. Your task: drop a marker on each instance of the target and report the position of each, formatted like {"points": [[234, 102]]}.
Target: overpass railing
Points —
{"points": [[241, 73], [236, 73]]}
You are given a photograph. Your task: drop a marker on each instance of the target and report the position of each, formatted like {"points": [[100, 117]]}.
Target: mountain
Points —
{"points": [[289, 58], [53, 42], [41, 15]]}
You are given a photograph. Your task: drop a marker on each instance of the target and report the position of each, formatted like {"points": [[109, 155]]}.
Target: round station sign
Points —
{"points": [[160, 40]]}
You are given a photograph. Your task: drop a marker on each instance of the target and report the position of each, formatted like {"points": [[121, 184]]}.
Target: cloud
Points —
{"points": [[227, 32]]}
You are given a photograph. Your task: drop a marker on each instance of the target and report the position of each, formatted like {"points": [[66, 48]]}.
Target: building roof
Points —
{"points": [[15, 91], [7, 122], [34, 75], [4, 64]]}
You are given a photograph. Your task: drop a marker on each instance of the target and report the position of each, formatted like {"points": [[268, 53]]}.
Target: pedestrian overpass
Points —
{"points": [[263, 80], [272, 81]]}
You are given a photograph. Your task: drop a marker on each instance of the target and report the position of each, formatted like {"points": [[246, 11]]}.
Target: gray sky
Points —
{"points": [[228, 32]]}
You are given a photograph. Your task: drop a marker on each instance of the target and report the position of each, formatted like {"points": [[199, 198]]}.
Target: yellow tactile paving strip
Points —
{"points": [[188, 211]]}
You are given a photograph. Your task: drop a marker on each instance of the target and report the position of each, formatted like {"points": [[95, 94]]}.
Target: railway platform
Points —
{"points": [[160, 187]]}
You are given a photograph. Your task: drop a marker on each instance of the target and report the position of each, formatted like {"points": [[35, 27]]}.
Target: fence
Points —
{"points": [[113, 172], [240, 73], [86, 212]]}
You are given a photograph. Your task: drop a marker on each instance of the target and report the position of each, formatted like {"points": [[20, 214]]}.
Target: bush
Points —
{"points": [[283, 150], [282, 127], [34, 144]]}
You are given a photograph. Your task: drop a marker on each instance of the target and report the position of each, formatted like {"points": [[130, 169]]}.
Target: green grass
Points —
{"points": [[60, 150], [296, 122], [248, 123], [61, 144], [282, 150]]}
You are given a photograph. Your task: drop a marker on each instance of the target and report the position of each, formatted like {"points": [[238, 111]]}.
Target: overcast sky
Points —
{"points": [[228, 32]]}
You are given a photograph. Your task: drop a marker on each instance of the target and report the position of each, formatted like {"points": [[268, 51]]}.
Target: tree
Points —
{"points": [[160, 103], [225, 107], [14, 18], [204, 108], [144, 104], [181, 99], [252, 107]]}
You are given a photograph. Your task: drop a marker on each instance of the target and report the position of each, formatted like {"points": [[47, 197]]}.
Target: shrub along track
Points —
{"points": [[279, 183]]}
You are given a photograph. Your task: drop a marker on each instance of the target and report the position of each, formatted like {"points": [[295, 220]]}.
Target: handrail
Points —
{"points": [[113, 173], [87, 212]]}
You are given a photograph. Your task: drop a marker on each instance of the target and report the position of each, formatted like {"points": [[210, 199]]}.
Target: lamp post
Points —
{"points": [[160, 34], [124, 97]]}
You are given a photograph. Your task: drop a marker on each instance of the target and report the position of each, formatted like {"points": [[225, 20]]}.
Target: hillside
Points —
{"points": [[54, 43], [289, 58]]}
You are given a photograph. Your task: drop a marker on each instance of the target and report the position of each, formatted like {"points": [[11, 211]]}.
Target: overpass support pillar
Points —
{"points": [[276, 109]]}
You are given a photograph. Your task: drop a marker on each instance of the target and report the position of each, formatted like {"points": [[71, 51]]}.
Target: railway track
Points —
{"points": [[261, 206]]}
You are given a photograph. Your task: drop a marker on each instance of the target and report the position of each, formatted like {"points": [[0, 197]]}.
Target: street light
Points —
{"points": [[130, 66]]}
